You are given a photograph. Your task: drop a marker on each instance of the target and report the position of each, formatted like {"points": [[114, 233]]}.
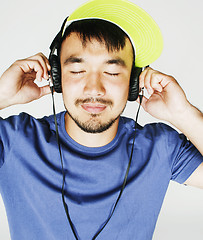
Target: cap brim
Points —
{"points": [[142, 30]]}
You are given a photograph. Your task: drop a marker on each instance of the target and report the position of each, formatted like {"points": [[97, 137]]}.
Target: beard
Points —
{"points": [[94, 124]]}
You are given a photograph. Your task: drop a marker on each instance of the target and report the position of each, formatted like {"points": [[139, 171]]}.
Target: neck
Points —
{"points": [[90, 139]]}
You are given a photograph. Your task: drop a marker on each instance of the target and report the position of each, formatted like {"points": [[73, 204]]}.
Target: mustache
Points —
{"points": [[93, 100]]}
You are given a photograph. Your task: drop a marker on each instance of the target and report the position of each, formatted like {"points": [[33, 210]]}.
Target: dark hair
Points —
{"points": [[101, 30]]}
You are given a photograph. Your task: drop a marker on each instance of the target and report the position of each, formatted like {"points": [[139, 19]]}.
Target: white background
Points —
{"points": [[28, 27]]}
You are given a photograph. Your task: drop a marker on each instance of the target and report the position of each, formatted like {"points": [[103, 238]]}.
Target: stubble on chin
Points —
{"points": [[94, 123]]}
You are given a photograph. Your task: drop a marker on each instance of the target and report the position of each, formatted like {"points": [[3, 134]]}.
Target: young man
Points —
{"points": [[97, 60]]}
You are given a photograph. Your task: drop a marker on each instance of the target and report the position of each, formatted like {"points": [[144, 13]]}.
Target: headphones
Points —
{"points": [[54, 61]]}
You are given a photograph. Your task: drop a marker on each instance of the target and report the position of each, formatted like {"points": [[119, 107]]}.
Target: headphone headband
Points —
{"points": [[57, 40]]}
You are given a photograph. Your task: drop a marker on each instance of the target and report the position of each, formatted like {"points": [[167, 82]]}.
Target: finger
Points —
{"points": [[159, 81], [155, 81], [44, 91], [142, 77], [40, 58], [29, 65], [44, 63], [48, 67], [147, 80]]}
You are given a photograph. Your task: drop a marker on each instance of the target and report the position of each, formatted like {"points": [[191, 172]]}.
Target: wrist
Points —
{"points": [[189, 117], [5, 100], [4, 104]]}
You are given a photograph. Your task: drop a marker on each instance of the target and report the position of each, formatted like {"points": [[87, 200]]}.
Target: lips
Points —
{"points": [[93, 108]]}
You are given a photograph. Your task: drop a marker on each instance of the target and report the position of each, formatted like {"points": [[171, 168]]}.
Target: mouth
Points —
{"points": [[93, 108]]}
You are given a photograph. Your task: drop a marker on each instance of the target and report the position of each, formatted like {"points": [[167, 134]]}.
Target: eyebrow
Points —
{"points": [[116, 61], [73, 59]]}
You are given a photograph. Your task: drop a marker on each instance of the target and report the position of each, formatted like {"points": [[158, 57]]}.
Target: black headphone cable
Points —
{"points": [[63, 173]]}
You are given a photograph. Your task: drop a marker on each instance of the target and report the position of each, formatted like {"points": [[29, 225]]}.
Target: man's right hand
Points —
{"points": [[17, 82]]}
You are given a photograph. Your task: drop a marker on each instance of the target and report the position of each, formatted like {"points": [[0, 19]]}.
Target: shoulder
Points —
{"points": [[150, 130], [25, 120], [153, 135]]}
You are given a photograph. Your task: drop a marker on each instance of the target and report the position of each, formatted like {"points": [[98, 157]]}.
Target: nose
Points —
{"points": [[94, 86]]}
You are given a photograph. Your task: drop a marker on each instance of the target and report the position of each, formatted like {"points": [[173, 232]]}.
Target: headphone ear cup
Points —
{"points": [[55, 72], [134, 83]]}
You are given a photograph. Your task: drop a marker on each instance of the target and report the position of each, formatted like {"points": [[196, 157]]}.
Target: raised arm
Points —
{"points": [[168, 102]]}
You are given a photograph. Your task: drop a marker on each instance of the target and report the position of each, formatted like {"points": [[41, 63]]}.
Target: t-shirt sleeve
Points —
{"points": [[8, 134], [184, 156]]}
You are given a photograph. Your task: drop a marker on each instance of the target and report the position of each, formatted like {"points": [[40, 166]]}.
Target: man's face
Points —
{"points": [[95, 82]]}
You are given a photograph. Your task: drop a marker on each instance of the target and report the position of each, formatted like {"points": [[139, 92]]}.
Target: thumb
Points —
{"points": [[44, 91]]}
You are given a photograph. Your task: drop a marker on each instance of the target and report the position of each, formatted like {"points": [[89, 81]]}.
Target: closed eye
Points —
{"points": [[77, 72], [112, 74]]}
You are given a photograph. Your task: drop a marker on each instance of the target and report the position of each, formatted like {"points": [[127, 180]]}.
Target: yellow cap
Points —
{"points": [[142, 30]]}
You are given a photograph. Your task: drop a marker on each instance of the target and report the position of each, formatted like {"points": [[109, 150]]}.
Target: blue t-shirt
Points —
{"points": [[31, 179]]}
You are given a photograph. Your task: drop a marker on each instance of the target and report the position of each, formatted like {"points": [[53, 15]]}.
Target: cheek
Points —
{"points": [[69, 92], [119, 96], [120, 91], [70, 87]]}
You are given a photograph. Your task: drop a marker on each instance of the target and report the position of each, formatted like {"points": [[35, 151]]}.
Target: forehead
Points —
{"points": [[74, 44]]}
